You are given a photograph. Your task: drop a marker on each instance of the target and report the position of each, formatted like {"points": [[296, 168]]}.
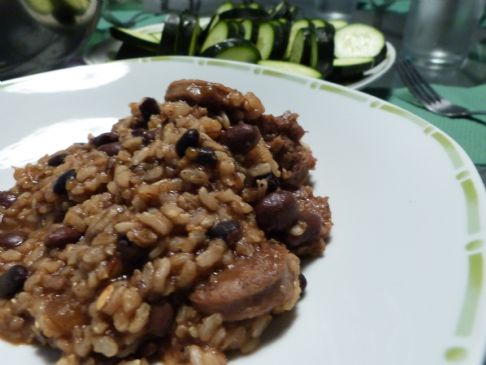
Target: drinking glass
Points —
{"points": [[439, 33]]}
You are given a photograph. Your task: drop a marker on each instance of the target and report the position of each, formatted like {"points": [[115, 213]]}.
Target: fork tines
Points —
{"points": [[416, 83]]}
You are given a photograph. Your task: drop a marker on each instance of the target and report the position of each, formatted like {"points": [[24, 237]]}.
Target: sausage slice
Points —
{"points": [[215, 96], [267, 281]]}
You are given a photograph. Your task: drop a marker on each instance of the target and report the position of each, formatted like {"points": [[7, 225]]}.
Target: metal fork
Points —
{"points": [[428, 96]]}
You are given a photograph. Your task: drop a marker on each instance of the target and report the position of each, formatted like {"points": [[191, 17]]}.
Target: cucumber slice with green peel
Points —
{"points": [[248, 26], [271, 40], [380, 56], [294, 29], [170, 40], [348, 68], [303, 47], [244, 13], [234, 49], [358, 40], [189, 33], [237, 30], [78, 6], [280, 10], [135, 39], [289, 67], [250, 4], [227, 5], [324, 37], [293, 12], [44, 7], [318, 22], [221, 31], [338, 23]]}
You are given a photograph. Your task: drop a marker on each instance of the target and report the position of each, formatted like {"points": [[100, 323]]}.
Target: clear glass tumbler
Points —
{"points": [[335, 9], [439, 33]]}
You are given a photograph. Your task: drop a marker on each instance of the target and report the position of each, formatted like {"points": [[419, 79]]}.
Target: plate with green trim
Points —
{"points": [[402, 281]]}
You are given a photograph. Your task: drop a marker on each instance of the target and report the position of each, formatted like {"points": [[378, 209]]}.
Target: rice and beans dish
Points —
{"points": [[176, 236]]}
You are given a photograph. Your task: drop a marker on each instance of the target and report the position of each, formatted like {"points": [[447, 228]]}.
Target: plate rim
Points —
{"points": [[467, 175]]}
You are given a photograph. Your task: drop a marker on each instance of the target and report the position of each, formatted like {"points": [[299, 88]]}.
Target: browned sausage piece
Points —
{"points": [[215, 96], [253, 286]]}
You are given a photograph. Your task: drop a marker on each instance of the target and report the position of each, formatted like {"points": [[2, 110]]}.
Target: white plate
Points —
{"points": [[402, 281], [106, 51]]}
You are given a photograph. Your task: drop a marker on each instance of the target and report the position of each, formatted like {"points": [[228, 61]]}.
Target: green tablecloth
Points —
{"points": [[471, 135]]}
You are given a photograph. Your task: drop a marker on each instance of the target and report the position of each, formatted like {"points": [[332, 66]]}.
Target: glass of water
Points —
{"points": [[439, 33]]}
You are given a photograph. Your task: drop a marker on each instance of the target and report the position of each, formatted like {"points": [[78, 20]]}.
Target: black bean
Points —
{"points": [[160, 320], [111, 149], [148, 107], [60, 184], [302, 283], [147, 135], [277, 211], [12, 281], [241, 138], [131, 255], [189, 139], [312, 230], [11, 239], [273, 182], [7, 198], [230, 231], [57, 159], [104, 138], [206, 156], [61, 236]]}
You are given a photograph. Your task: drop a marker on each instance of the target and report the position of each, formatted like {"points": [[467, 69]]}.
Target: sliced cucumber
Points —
{"points": [[291, 68], [244, 13], [296, 26], [227, 5], [358, 40], [380, 56], [293, 12], [234, 49], [170, 40], [348, 68], [318, 22], [303, 47], [44, 7], [324, 37], [221, 31], [248, 26], [78, 6], [338, 23], [284, 10], [271, 40], [250, 4], [135, 39], [189, 34]]}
